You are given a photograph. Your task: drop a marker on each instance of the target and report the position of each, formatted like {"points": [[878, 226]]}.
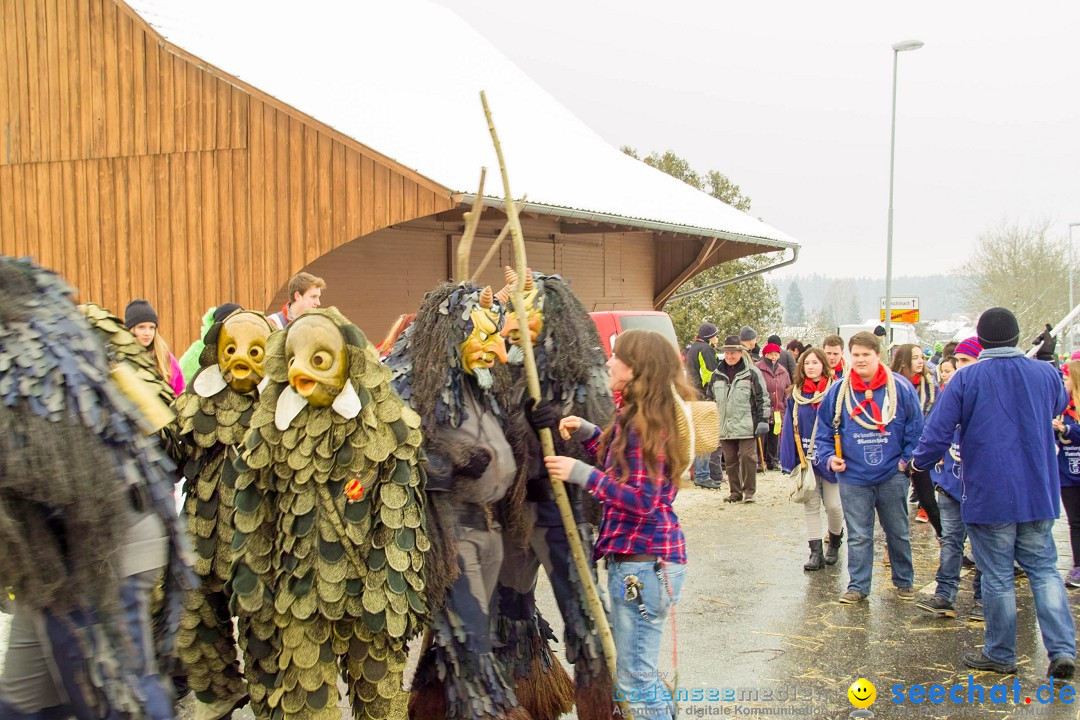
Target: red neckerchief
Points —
{"points": [[878, 381], [811, 388], [916, 380], [285, 313], [839, 369]]}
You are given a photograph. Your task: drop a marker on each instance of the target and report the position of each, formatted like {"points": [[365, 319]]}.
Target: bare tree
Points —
{"points": [[1019, 267]]}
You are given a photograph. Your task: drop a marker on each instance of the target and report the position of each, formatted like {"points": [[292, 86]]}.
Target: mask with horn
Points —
{"points": [[483, 346], [534, 313]]}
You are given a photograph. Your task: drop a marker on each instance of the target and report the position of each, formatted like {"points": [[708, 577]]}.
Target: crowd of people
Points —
{"points": [[877, 435], [342, 498]]}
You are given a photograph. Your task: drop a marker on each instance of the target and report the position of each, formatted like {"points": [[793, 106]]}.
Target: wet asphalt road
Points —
{"points": [[752, 623]]}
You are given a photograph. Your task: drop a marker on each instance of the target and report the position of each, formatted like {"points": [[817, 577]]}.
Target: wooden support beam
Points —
{"points": [[707, 249]]}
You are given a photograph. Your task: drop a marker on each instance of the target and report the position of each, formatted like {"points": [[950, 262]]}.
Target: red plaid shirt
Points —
{"points": [[638, 517]]}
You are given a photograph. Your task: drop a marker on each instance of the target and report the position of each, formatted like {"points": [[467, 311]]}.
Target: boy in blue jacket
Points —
{"points": [[1004, 406], [875, 423]]}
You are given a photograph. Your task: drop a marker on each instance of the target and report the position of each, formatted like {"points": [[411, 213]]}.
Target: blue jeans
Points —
{"points": [[1031, 545], [889, 498], [637, 638], [953, 534], [701, 469]]}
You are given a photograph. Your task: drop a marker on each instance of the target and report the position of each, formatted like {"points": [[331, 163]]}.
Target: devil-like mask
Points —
{"points": [[317, 360], [241, 350], [534, 313], [484, 346]]}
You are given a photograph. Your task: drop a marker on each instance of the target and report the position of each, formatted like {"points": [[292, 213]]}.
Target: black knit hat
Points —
{"points": [[707, 331], [998, 328], [139, 311], [747, 333], [774, 339], [224, 310]]}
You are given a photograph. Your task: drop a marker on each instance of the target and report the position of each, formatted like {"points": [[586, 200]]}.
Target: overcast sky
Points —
{"points": [[791, 100]]}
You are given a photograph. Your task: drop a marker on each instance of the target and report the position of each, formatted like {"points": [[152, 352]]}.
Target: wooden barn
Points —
{"points": [[204, 151]]}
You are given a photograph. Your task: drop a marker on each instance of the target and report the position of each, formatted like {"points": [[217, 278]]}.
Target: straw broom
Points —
{"points": [[517, 292]]}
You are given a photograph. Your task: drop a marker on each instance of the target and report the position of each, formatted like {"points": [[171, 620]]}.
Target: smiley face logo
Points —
{"points": [[862, 693]]}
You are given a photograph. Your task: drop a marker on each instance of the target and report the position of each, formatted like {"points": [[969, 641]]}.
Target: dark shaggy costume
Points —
{"points": [[570, 363], [330, 542], [211, 419], [78, 482], [459, 675]]}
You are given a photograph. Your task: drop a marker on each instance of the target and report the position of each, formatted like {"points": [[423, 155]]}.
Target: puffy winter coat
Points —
{"points": [[777, 382], [741, 405]]}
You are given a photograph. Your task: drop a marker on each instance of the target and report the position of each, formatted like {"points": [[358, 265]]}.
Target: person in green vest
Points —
{"points": [[700, 365]]}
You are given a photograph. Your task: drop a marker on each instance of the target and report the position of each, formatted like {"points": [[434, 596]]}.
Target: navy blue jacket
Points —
{"points": [[1004, 407], [1069, 453], [946, 473], [789, 457], [872, 457]]}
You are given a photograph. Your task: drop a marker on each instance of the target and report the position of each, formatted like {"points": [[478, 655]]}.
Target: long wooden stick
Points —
{"points": [[472, 220], [533, 378], [495, 245]]}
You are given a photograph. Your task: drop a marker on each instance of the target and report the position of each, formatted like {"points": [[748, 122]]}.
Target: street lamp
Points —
{"points": [[897, 49], [1071, 306]]}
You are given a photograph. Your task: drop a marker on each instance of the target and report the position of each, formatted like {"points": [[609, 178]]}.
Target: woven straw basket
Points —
{"points": [[698, 425]]}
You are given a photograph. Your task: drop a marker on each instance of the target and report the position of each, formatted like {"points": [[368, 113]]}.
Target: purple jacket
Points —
{"points": [[777, 382]]}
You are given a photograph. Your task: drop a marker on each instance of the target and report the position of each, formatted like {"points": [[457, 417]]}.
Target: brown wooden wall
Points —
{"points": [[377, 277], [136, 171]]}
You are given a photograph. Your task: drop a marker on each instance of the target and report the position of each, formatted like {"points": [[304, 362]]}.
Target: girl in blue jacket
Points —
{"points": [[812, 379], [1067, 433]]}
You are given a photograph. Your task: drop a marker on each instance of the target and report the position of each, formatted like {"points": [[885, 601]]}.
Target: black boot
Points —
{"points": [[817, 560], [833, 553]]}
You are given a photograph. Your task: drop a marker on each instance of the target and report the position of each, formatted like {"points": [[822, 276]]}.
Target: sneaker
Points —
{"points": [[905, 593], [1061, 668], [1072, 580], [708, 484], [978, 661], [748, 499], [851, 597], [976, 613], [921, 516], [936, 605]]}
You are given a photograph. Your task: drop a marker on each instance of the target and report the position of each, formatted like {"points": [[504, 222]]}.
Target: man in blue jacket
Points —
{"points": [[876, 423], [1004, 406]]}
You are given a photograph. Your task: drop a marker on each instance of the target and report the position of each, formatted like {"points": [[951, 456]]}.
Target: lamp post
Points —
{"points": [[897, 49], [1071, 306]]}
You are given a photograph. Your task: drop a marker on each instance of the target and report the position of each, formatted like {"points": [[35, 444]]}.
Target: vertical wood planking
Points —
{"points": [[153, 94], [55, 210], [67, 58], [192, 103], [296, 196], [82, 233], [33, 71], [282, 199], [128, 276], [51, 33], [18, 209], [107, 222], [178, 73], [138, 64], [324, 203], [367, 195], [125, 76], [352, 193], [381, 194], [241, 110], [310, 190], [196, 264], [241, 214], [340, 200], [84, 78], [38, 204], [95, 251], [26, 138], [257, 161], [209, 281], [110, 54], [150, 250], [8, 236], [13, 111], [96, 69]]}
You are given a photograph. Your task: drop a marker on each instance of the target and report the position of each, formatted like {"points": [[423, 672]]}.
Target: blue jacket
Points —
{"points": [[872, 456], [946, 473], [789, 458], [1069, 453], [1004, 407]]}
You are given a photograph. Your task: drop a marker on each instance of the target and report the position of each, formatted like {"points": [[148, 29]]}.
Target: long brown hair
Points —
{"points": [[902, 362], [648, 405], [800, 372], [1073, 378], [159, 350]]}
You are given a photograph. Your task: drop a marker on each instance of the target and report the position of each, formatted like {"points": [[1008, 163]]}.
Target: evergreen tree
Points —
{"points": [[794, 312]]}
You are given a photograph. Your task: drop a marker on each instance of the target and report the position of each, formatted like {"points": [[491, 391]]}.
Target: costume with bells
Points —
{"points": [[211, 418], [87, 519], [329, 529], [450, 366], [573, 379]]}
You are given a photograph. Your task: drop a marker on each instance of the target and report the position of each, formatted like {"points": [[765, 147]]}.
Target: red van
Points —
{"points": [[611, 323]]}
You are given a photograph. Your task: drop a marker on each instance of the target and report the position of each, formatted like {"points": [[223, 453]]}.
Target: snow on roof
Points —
{"points": [[403, 77]]}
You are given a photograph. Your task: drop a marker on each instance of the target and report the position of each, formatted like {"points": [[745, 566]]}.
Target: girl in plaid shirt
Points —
{"points": [[641, 458]]}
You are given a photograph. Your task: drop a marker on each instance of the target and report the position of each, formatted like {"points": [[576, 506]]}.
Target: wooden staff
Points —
{"points": [[472, 220], [517, 292], [495, 245], [761, 454]]}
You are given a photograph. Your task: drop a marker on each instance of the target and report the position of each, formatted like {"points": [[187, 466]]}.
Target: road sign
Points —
{"points": [[904, 309]]}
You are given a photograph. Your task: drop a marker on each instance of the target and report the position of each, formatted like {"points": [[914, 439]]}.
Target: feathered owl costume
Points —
{"points": [[329, 536]]}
